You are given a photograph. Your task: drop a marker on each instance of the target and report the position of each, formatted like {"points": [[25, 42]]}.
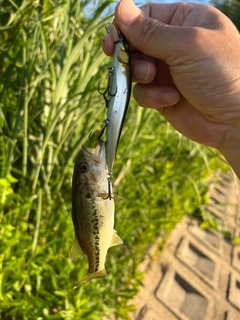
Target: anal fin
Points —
{"points": [[116, 240]]}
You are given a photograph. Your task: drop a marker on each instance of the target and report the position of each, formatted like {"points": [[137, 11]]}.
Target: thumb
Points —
{"points": [[150, 36]]}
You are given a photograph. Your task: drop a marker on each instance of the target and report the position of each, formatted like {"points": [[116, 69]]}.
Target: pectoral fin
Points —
{"points": [[75, 252], [116, 240]]}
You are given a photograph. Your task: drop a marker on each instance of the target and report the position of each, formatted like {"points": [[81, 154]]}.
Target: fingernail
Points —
{"points": [[127, 12], [141, 71], [170, 97]]}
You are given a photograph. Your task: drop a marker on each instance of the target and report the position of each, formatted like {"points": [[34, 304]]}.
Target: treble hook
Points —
{"points": [[108, 195], [106, 93], [106, 122]]}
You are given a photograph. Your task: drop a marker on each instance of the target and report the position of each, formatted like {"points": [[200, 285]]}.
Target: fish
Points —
{"points": [[92, 211]]}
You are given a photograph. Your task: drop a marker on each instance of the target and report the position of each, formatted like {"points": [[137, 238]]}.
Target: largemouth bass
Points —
{"points": [[92, 211]]}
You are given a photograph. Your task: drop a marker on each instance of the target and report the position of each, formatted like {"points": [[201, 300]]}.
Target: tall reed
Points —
{"points": [[51, 63]]}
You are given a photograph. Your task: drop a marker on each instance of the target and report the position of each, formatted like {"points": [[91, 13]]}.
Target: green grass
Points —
{"points": [[50, 65]]}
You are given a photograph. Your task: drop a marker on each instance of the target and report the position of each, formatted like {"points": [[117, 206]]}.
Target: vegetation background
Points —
{"points": [[50, 65]]}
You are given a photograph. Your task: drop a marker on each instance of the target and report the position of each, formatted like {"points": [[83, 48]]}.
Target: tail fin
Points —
{"points": [[90, 276]]}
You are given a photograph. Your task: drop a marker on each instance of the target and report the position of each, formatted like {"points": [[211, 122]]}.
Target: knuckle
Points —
{"points": [[149, 30]]}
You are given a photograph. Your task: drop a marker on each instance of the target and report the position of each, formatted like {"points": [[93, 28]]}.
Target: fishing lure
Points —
{"points": [[119, 91]]}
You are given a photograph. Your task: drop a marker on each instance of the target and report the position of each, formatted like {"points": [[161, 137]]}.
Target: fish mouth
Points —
{"points": [[98, 154]]}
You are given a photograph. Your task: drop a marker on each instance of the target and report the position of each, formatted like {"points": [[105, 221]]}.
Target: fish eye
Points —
{"points": [[83, 166]]}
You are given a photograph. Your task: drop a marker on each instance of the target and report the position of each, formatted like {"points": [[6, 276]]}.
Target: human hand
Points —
{"points": [[186, 62]]}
